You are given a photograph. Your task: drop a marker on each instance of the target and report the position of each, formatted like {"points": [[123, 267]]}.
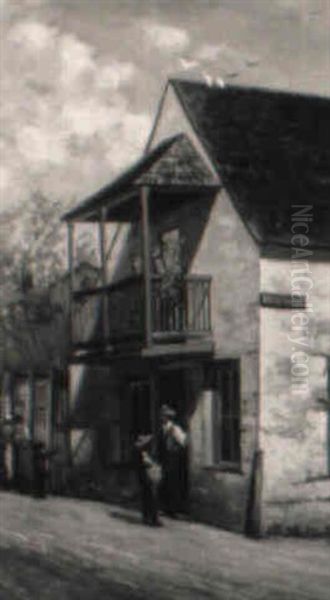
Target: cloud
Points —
{"points": [[227, 60], [32, 36], [167, 38], [39, 146], [132, 132], [67, 124], [4, 177], [210, 51], [116, 74], [76, 59], [226, 56]]}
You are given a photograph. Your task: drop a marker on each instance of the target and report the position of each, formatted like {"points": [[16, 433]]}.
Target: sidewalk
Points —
{"points": [[69, 549]]}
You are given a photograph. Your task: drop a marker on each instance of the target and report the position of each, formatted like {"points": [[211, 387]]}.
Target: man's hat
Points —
{"points": [[143, 441], [167, 411]]}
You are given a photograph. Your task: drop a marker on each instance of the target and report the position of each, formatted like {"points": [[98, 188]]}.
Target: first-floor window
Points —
{"points": [[221, 413], [22, 404], [42, 411]]}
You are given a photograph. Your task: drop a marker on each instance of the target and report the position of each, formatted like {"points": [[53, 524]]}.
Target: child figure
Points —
{"points": [[149, 475]]}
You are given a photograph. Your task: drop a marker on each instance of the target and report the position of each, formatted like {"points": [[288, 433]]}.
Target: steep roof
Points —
{"points": [[271, 150], [173, 162]]}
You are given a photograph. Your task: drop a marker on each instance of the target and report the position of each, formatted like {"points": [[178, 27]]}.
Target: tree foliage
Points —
{"points": [[34, 254]]}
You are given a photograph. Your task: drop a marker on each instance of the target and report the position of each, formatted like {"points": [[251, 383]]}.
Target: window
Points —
{"points": [[42, 411], [221, 413], [22, 407]]}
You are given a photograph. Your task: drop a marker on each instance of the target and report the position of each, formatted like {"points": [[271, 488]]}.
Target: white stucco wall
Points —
{"points": [[295, 426]]}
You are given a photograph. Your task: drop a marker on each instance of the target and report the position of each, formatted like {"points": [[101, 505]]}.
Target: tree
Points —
{"points": [[32, 259], [34, 255]]}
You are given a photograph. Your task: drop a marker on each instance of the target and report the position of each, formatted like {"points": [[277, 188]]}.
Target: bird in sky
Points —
{"points": [[208, 79], [188, 64], [213, 81], [220, 82]]}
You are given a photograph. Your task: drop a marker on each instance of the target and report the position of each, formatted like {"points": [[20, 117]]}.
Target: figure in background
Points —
{"points": [[3, 466], [40, 470], [149, 475], [172, 452], [23, 466]]}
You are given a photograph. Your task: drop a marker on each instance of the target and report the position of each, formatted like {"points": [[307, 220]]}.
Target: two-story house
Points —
{"points": [[33, 379], [215, 299]]}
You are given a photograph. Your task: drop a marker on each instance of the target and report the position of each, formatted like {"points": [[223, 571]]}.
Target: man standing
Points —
{"points": [[172, 446]]}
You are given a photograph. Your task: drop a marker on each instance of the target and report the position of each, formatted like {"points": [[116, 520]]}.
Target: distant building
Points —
{"points": [[34, 352], [218, 304]]}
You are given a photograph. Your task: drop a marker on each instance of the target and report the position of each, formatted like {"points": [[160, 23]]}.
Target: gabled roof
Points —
{"points": [[174, 162], [271, 150]]}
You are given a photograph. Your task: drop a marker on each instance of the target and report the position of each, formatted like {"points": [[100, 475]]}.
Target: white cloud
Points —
{"points": [[132, 133], [4, 177], [32, 36], [226, 59], [67, 125], [210, 52], [116, 74], [38, 146], [166, 38], [76, 58], [89, 117]]}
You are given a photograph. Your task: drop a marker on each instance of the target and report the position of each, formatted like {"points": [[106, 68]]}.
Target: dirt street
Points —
{"points": [[70, 549]]}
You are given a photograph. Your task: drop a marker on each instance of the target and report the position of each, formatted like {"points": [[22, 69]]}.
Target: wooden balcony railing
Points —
{"points": [[116, 313]]}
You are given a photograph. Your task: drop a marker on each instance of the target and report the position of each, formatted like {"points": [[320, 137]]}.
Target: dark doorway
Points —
{"points": [[172, 391], [141, 409]]}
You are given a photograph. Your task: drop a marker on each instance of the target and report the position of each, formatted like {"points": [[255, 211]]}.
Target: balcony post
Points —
{"points": [[146, 264], [71, 278], [32, 402], [102, 246], [154, 408]]}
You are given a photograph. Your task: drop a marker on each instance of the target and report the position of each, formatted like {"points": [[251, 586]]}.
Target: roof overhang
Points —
{"points": [[171, 171]]}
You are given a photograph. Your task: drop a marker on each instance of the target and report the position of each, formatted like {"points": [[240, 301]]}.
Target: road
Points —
{"points": [[69, 549]]}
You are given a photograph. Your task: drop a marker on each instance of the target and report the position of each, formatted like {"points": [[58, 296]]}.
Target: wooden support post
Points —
{"points": [[146, 264], [102, 246], [71, 278], [10, 455], [328, 414], [154, 408], [52, 408], [67, 408], [31, 411], [102, 222]]}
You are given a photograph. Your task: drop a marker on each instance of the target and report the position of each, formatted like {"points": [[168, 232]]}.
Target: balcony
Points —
{"points": [[146, 312], [117, 314]]}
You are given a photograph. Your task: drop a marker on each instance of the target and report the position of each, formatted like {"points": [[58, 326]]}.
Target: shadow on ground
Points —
{"points": [[29, 575], [126, 517]]}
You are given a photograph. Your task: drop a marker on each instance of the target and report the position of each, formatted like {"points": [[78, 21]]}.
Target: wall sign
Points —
{"points": [[282, 301]]}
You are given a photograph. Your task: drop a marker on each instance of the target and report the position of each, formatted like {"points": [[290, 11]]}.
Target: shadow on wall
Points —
{"points": [[189, 213]]}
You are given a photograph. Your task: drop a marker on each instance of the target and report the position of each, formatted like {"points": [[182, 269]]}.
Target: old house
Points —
{"points": [[33, 379], [215, 298]]}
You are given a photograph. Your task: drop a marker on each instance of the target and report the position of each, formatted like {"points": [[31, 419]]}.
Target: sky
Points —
{"points": [[80, 79]]}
